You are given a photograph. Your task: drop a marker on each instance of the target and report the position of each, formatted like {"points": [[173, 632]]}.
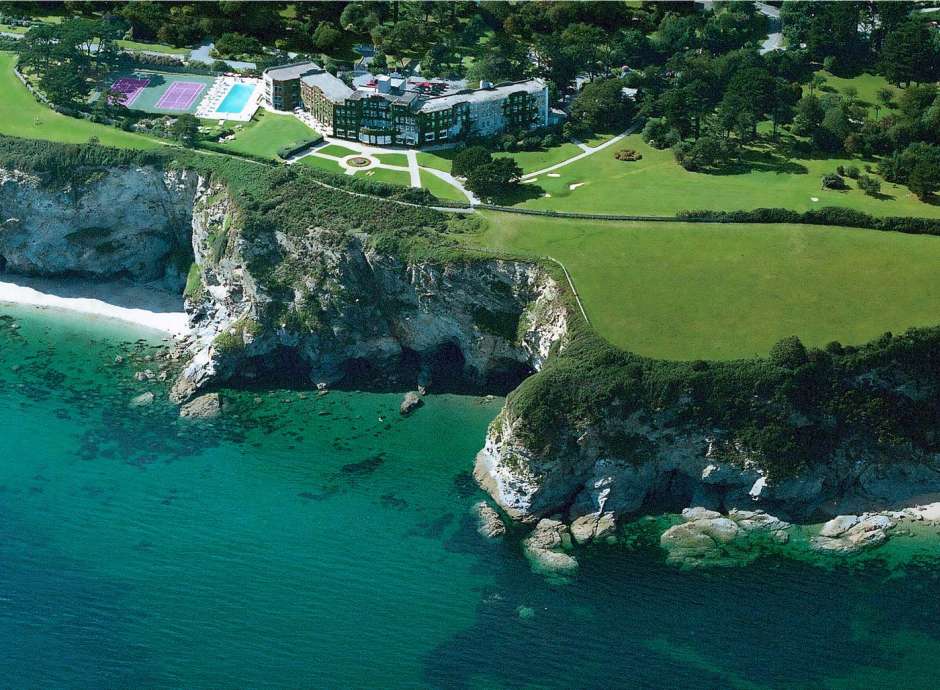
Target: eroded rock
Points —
{"points": [[206, 406], [410, 403], [489, 523], [545, 548]]}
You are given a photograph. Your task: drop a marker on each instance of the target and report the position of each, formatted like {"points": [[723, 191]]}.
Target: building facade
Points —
{"points": [[392, 110]]}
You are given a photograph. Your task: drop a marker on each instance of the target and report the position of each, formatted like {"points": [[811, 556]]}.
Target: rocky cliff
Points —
{"points": [[120, 222], [295, 281], [327, 307]]}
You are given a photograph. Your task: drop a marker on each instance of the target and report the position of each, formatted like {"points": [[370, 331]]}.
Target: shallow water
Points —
{"points": [[307, 541]]}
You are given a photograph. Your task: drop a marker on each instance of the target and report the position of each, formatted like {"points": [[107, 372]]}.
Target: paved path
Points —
{"points": [[412, 157], [587, 152]]}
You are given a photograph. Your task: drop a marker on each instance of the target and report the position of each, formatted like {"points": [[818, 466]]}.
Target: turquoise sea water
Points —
{"points": [[324, 542]]}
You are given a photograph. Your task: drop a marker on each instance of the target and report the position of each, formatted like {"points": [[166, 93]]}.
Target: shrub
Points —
{"points": [[628, 155], [833, 181], [789, 352], [852, 172], [870, 185]]}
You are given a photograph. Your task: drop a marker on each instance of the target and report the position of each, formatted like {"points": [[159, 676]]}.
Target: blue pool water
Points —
{"points": [[236, 98]]}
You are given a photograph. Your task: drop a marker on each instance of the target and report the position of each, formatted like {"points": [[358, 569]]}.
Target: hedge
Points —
{"points": [[289, 150], [829, 215]]}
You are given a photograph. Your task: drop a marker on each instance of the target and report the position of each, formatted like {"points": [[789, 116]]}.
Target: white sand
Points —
{"points": [[554, 175], [574, 186], [814, 198], [148, 307]]}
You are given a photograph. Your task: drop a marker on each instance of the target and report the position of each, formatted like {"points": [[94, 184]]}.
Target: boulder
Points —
{"points": [[710, 537], [489, 523], [848, 534], [142, 400], [838, 525], [410, 403], [594, 527], [545, 546], [205, 406]]}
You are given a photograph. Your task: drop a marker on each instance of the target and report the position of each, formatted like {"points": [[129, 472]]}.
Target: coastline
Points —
{"points": [[147, 306]]}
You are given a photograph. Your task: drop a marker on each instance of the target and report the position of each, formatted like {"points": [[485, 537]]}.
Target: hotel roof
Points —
{"points": [[293, 71]]}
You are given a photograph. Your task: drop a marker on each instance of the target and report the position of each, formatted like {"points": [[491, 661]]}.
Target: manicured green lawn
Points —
{"points": [[336, 150], [439, 160], [439, 188], [6, 28], [322, 163], [657, 185], [530, 161], [21, 115], [710, 291], [399, 159], [598, 139], [387, 176], [867, 86], [152, 47], [266, 133]]}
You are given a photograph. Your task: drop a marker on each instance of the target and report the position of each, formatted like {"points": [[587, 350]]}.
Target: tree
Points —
{"points": [[909, 54], [885, 96], [809, 115], [924, 178], [470, 159], [602, 106], [705, 152], [186, 130], [326, 37], [496, 178], [358, 17], [63, 87]]}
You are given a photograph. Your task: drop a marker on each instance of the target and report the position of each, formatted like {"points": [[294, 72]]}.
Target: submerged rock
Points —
{"points": [[545, 548], [489, 523], [142, 400], [411, 402], [205, 406]]}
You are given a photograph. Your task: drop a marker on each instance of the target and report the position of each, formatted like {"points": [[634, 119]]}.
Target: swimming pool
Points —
{"points": [[236, 98]]}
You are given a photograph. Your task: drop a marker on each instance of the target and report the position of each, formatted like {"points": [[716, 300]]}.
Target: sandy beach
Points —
{"points": [[147, 306]]}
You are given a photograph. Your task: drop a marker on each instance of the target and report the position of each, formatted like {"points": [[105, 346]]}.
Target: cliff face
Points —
{"points": [[320, 305], [122, 222], [668, 464], [337, 309]]}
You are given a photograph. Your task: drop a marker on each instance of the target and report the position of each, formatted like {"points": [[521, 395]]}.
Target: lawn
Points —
{"points": [[337, 150], [21, 115], [266, 133], [867, 86], [6, 28], [399, 159], [657, 185], [439, 160], [152, 47], [530, 161], [439, 188], [398, 177], [322, 163], [710, 291]]}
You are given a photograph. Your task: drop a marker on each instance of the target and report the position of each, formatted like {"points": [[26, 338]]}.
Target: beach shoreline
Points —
{"points": [[149, 306]]}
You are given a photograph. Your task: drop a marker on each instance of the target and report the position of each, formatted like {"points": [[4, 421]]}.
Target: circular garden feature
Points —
{"points": [[358, 162]]}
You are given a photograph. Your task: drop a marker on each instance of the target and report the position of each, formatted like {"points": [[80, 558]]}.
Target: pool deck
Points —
{"points": [[208, 108]]}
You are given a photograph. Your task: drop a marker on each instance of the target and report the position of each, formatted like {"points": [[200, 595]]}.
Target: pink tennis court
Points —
{"points": [[180, 96], [127, 89]]}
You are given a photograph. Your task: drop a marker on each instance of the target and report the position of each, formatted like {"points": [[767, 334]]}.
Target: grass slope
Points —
{"points": [[337, 150], [21, 115], [322, 163], [690, 291], [657, 185], [529, 161], [268, 132], [439, 188], [387, 176]]}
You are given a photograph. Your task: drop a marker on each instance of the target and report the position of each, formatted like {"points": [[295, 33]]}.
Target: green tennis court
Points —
{"points": [[167, 93]]}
